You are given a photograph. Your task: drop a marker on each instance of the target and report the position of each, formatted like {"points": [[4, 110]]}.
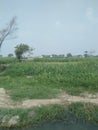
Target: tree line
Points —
{"points": [[22, 48]]}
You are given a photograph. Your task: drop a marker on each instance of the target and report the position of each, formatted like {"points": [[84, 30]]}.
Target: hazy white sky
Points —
{"points": [[52, 26]]}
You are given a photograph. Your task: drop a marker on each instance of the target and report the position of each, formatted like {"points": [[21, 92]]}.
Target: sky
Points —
{"points": [[52, 26]]}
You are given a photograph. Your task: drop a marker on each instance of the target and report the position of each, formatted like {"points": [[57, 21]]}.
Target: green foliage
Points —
{"points": [[49, 113], [21, 49], [10, 55], [33, 79], [4, 62], [2, 68], [37, 115], [64, 59], [22, 113], [56, 59], [84, 111], [30, 79], [69, 55], [7, 60]]}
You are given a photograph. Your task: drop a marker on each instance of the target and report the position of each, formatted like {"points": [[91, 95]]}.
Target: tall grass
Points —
{"points": [[84, 111], [7, 60], [64, 59], [37, 115], [45, 80]]}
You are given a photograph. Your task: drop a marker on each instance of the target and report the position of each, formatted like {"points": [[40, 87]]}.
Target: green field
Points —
{"points": [[44, 79], [37, 79]]}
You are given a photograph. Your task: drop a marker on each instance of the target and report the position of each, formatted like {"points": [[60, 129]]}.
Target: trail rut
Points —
{"points": [[7, 102]]}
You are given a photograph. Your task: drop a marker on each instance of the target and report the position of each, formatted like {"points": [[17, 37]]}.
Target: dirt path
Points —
{"points": [[6, 102]]}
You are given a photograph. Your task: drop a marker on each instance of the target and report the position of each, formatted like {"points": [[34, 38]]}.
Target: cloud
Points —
{"points": [[89, 12], [90, 15], [57, 24]]}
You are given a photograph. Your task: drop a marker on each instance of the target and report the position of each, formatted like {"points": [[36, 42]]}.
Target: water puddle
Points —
{"points": [[60, 125]]}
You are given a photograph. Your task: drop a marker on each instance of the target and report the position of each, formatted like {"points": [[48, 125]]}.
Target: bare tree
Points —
{"points": [[8, 31]]}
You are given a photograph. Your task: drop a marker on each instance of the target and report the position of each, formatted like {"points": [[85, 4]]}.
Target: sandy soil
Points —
{"points": [[7, 102]]}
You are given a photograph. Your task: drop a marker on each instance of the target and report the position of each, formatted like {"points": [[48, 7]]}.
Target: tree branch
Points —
{"points": [[4, 33]]}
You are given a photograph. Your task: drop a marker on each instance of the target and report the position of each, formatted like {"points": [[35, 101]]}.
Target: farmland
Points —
{"points": [[33, 79], [46, 79]]}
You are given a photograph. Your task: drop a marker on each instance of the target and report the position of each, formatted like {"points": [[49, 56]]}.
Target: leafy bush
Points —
{"points": [[2, 68]]}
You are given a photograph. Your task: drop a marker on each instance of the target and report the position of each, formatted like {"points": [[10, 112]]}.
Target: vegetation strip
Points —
{"points": [[24, 82], [20, 117], [37, 80]]}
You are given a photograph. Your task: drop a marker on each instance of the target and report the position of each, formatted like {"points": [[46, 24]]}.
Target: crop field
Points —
{"points": [[37, 79]]}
